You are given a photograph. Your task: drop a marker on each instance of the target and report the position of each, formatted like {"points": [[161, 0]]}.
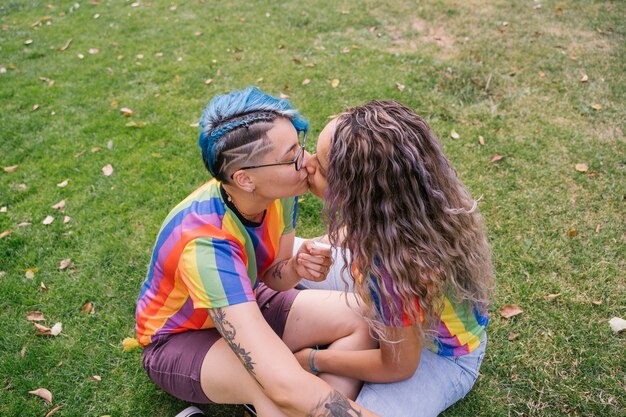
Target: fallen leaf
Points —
{"points": [[41, 330], [581, 167], [597, 228], [63, 184], [110, 145], [30, 273], [35, 107], [139, 56], [572, 232], [551, 296], [48, 220], [12, 168], [542, 74], [596, 302], [2, 273], [496, 158], [310, 65], [617, 324], [596, 106], [59, 206], [512, 336], [5, 233], [56, 329], [208, 81], [481, 140], [53, 410], [24, 224], [306, 81], [96, 378], [35, 316], [514, 377], [345, 50], [66, 219], [335, 83], [454, 134], [584, 78], [96, 149], [87, 308], [136, 124], [28, 42], [43, 394], [400, 87], [65, 263], [80, 56], [126, 111], [177, 79], [67, 45], [130, 343], [107, 170], [3, 209], [43, 287], [23, 351], [283, 96], [510, 310]]}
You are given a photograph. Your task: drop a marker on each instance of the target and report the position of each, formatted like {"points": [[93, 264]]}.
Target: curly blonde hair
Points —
{"points": [[406, 214]]}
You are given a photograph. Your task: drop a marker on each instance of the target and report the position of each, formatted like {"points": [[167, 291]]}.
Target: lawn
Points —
{"points": [[528, 98]]}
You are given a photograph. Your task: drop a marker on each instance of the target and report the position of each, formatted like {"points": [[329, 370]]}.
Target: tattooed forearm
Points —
{"points": [[228, 332], [278, 269], [334, 405]]}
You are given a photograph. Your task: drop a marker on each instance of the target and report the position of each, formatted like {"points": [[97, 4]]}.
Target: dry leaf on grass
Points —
{"points": [[96, 378], [126, 112], [46, 331], [617, 324], [87, 308], [512, 336], [136, 124], [12, 168], [59, 206], [581, 167], [584, 78], [400, 87], [24, 224], [551, 296], [30, 273], [283, 96], [48, 220], [43, 287], [495, 158], [43, 394], [596, 106], [481, 140], [63, 183], [66, 219], [572, 232], [3, 209], [53, 410], [335, 83], [306, 81], [35, 316], [65, 263], [510, 310], [5, 233], [107, 170], [130, 343], [454, 134]]}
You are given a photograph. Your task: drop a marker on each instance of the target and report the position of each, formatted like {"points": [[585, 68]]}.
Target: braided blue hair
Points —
{"points": [[242, 108]]}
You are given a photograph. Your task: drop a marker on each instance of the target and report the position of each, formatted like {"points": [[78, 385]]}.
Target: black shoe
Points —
{"points": [[191, 412]]}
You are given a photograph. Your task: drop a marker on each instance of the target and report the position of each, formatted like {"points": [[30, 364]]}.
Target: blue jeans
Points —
{"points": [[438, 382]]}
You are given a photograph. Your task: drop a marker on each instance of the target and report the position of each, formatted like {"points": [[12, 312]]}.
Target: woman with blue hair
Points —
{"points": [[217, 315]]}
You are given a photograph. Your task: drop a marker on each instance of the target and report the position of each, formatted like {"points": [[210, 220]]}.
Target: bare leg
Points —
{"points": [[319, 317], [225, 380]]}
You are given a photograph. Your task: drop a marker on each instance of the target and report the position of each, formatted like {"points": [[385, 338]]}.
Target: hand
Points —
{"points": [[312, 262], [303, 359]]}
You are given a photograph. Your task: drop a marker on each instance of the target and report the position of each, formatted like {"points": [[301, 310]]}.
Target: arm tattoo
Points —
{"points": [[228, 332], [278, 269], [334, 405]]}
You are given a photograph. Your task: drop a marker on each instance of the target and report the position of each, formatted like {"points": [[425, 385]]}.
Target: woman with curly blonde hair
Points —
{"points": [[413, 248]]}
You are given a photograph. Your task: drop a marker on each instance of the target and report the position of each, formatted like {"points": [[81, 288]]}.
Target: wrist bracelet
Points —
{"points": [[312, 362]]}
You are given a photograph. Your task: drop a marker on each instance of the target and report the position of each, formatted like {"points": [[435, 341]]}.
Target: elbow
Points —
{"points": [[404, 370]]}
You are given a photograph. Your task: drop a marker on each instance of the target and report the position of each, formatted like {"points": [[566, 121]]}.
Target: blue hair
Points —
{"points": [[217, 118]]}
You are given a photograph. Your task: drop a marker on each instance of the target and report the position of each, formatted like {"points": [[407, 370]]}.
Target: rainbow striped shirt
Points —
{"points": [[205, 257], [460, 328]]}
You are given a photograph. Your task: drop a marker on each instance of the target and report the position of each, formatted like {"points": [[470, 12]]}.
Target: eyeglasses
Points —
{"points": [[297, 161]]}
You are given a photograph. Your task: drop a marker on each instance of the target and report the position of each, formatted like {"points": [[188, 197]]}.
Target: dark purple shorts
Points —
{"points": [[174, 361]]}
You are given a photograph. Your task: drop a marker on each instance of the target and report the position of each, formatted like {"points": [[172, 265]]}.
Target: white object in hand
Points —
{"points": [[321, 245]]}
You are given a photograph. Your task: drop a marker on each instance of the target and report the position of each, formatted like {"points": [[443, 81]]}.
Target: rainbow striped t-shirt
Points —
{"points": [[460, 328], [206, 257]]}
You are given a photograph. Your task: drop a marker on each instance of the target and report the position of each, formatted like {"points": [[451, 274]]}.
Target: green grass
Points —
{"points": [[517, 84]]}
